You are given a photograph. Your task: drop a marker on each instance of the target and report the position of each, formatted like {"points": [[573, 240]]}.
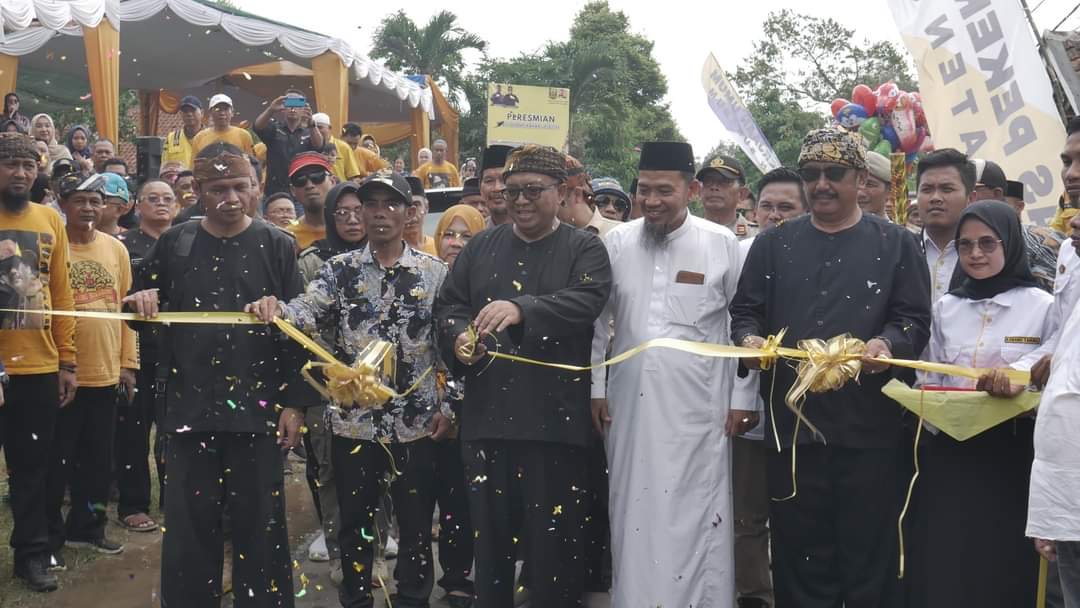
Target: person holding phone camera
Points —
{"points": [[287, 130]]}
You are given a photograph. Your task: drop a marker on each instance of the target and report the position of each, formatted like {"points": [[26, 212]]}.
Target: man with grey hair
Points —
{"points": [[874, 194], [438, 172]]}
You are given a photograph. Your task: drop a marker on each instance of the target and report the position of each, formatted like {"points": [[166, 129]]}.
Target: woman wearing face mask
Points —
{"points": [[43, 129], [969, 546], [457, 225]]}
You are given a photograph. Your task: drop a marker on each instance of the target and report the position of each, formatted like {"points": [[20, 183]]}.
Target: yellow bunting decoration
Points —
{"points": [[960, 414]]}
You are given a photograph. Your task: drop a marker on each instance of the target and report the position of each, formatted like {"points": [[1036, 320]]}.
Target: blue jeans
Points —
{"points": [[1069, 569]]}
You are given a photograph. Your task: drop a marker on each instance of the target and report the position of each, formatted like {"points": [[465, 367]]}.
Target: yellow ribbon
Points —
{"points": [[361, 385]]}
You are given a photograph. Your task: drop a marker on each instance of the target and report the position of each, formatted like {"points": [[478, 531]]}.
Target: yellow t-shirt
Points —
{"points": [[345, 166], [305, 234], [438, 176], [34, 276], [235, 136], [369, 162], [178, 148], [100, 278]]}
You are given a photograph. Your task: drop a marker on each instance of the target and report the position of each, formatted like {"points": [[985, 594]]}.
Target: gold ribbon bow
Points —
{"points": [[827, 366]]}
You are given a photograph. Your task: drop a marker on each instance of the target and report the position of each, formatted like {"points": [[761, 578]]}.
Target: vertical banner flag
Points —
{"points": [[730, 109], [985, 89], [518, 115]]}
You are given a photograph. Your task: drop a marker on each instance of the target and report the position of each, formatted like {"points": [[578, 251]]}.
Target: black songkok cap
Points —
{"points": [[415, 185], [470, 186], [494, 157], [666, 156], [1014, 189]]}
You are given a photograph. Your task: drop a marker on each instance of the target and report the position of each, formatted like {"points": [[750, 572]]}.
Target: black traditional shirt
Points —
{"points": [[561, 283], [281, 146], [225, 378], [138, 244], [869, 281]]}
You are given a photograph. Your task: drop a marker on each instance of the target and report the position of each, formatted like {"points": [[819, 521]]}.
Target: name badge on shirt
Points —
{"points": [[689, 278], [1036, 340]]}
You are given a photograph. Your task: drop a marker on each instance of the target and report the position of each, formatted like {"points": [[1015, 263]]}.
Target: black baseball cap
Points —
{"points": [[191, 100], [390, 180], [989, 174], [725, 165]]}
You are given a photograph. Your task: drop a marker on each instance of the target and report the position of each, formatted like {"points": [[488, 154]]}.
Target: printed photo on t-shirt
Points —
{"points": [[24, 256]]}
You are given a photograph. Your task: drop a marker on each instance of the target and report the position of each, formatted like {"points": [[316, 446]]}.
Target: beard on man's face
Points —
{"points": [[654, 236], [14, 201]]}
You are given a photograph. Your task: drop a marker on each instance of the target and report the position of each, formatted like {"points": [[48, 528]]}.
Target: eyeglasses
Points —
{"points": [[299, 181], [345, 214], [833, 173], [987, 245], [532, 192], [159, 200], [457, 236], [614, 201]]}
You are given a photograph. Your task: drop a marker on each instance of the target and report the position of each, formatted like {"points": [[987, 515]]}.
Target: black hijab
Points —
{"points": [[1002, 219], [333, 244]]}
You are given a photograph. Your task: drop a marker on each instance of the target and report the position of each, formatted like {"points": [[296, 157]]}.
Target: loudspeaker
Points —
{"points": [[147, 157]]}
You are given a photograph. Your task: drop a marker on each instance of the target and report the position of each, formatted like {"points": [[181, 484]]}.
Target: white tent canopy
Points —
{"points": [[188, 45]]}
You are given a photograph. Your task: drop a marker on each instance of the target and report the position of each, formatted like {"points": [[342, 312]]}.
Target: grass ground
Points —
{"points": [[13, 594]]}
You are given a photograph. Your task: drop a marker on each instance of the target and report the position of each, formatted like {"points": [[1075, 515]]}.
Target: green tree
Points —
{"points": [[435, 49], [616, 90], [801, 64]]}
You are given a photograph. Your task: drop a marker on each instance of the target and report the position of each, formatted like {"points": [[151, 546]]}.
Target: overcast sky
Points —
{"points": [[685, 32]]}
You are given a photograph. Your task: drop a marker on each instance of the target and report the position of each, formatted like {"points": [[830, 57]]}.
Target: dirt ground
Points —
{"points": [[132, 579]]}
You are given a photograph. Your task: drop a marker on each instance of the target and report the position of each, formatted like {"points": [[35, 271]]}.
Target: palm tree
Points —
{"points": [[434, 50]]}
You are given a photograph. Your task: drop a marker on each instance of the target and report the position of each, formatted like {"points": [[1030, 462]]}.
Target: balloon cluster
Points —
{"points": [[889, 119]]}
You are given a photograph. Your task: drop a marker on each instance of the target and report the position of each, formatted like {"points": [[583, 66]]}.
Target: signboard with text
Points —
{"points": [[985, 89], [518, 114]]}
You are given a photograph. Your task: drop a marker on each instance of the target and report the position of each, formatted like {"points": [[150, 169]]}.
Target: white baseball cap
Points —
{"points": [[321, 119], [219, 99]]}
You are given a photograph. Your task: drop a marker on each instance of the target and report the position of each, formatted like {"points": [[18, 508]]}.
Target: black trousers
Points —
{"points": [[455, 528], [27, 424], [835, 543], [81, 459], [133, 421], [359, 468], [597, 524], [208, 471], [538, 488]]}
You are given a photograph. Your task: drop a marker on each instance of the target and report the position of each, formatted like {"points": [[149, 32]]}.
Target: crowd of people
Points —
{"points": [[669, 479]]}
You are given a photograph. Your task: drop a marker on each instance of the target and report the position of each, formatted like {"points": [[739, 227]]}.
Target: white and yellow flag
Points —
{"points": [[985, 89]]}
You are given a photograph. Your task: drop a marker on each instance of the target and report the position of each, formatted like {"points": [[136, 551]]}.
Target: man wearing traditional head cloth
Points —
{"points": [[531, 288], [38, 352], [665, 414], [835, 271], [222, 387]]}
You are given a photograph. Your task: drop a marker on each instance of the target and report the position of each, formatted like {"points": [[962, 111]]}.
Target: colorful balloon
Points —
{"points": [[865, 97], [871, 131], [888, 133], [886, 98], [883, 148], [851, 116], [902, 119], [837, 104]]}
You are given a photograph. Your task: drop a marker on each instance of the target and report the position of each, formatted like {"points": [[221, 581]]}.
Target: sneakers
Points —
{"points": [[390, 552], [101, 545], [317, 551], [35, 575], [56, 563]]}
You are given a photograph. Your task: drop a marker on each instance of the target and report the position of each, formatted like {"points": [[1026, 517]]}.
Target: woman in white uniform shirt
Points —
{"points": [[969, 546]]}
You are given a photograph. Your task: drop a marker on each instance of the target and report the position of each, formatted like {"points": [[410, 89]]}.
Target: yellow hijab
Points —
{"points": [[470, 215]]}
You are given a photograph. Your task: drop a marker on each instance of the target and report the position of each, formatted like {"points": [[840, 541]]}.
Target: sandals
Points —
{"points": [[139, 522]]}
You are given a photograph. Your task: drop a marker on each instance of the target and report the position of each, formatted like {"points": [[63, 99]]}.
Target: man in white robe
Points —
{"points": [[665, 413]]}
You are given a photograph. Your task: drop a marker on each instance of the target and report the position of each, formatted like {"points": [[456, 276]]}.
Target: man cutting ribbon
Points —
{"points": [[833, 272]]}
